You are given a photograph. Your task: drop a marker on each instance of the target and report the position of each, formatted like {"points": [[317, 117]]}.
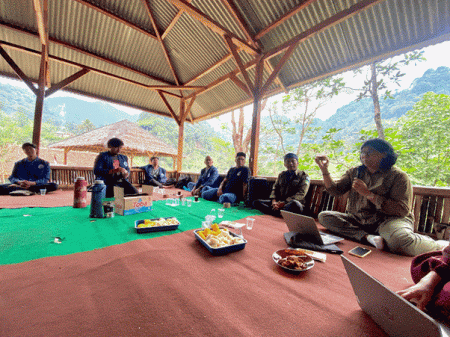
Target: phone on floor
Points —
{"points": [[359, 251]]}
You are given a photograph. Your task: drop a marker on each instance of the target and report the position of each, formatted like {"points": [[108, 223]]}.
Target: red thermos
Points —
{"points": [[80, 193]]}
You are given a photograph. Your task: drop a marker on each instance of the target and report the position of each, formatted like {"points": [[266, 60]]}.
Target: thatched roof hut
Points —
{"points": [[137, 141]]}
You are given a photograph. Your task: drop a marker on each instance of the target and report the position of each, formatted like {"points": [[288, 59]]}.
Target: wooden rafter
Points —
{"points": [[283, 18], [17, 70], [239, 64], [66, 82], [168, 107], [160, 40], [41, 11], [269, 69], [84, 52], [211, 68], [330, 22], [232, 8], [98, 71], [173, 22], [240, 84], [211, 24], [188, 109], [117, 18]]}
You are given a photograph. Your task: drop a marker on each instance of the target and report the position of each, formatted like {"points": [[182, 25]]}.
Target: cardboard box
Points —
{"points": [[141, 203]]}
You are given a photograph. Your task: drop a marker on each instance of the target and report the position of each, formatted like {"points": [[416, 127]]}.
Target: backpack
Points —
{"points": [[183, 182]]}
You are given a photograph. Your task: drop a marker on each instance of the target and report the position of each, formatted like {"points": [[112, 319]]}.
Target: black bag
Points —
{"points": [[258, 188], [295, 240], [183, 182]]}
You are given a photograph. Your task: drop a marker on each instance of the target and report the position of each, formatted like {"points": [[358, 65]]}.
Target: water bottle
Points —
{"points": [[98, 194], [80, 193]]}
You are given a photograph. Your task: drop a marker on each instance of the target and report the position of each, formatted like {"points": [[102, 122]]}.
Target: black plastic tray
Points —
{"points": [[157, 228]]}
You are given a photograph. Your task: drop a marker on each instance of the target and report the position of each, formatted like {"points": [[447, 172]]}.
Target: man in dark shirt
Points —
{"points": [[154, 174], [234, 187], [289, 190], [31, 173], [112, 167], [208, 177]]}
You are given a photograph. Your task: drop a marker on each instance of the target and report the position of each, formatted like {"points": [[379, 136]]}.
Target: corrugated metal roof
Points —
{"points": [[119, 40]]}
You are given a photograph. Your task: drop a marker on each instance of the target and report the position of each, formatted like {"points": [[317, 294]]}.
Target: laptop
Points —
{"points": [[307, 227], [395, 315]]}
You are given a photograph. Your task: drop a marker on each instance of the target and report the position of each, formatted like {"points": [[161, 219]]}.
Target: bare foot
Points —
{"points": [[376, 241]]}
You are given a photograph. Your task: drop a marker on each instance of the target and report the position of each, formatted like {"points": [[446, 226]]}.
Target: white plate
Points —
{"points": [[280, 254]]}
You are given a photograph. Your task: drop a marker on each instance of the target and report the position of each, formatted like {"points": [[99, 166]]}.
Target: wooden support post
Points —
{"points": [[38, 116], [181, 137], [256, 119]]}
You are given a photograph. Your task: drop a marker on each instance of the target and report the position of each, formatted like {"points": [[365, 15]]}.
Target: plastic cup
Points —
{"points": [[43, 191], [189, 202], [250, 222], [220, 212], [196, 198], [183, 201], [205, 224]]}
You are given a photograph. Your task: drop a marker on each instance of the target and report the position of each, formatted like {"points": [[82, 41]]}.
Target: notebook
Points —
{"points": [[307, 227], [395, 315]]}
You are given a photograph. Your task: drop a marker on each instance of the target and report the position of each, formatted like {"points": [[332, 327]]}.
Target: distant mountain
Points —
{"points": [[357, 115], [60, 110]]}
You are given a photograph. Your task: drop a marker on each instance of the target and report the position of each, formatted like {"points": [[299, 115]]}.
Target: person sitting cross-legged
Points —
{"points": [[208, 177], [379, 206], [112, 167], [31, 173], [154, 174], [234, 187], [289, 190]]}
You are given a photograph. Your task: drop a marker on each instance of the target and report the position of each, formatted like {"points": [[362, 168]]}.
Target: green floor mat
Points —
{"points": [[30, 233]]}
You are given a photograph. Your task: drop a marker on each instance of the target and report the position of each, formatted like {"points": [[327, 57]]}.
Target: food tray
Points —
{"points": [[221, 250], [156, 228], [280, 254]]}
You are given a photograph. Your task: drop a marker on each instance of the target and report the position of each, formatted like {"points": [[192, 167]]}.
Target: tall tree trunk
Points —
{"points": [[375, 99]]}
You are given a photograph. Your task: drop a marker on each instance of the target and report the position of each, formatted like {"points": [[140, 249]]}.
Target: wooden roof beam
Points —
{"points": [[161, 42], [214, 26], [239, 64], [283, 18], [173, 22], [66, 82], [41, 10], [330, 22], [101, 58], [232, 8], [168, 106], [117, 18], [211, 68], [18, 71], [98, 71]]}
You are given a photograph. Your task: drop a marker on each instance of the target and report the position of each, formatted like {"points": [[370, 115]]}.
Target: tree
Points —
{"points": [[378, 75], [425, 153], [85, 126]]}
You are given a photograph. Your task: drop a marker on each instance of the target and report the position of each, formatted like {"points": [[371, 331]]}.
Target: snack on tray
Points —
{"points": [[218, 238], [158, 223], [315, 255]]}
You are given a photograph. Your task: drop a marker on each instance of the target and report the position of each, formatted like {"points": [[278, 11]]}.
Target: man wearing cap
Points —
{"points": [[31, 174], [234, 187], [112, 167], [154, 174], [379, 205], [208, 177], [289, 190]]}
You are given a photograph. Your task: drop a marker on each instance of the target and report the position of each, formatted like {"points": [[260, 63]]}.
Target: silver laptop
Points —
{"points": [[395, 315], [307, 227]]}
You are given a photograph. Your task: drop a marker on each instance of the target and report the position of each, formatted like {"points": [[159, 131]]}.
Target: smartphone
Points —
{"points": [[359, 251]]}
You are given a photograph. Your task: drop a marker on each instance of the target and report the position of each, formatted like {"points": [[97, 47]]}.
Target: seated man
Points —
{"points": [[208, 177], [234, 187], [154, 174], [31, 173], [379, 206], [112, 167], [289, 190]]}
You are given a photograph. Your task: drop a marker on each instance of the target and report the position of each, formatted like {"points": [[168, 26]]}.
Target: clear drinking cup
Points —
{"points": [[43, 191], [189, 202], [220, 212], [250, 222]]}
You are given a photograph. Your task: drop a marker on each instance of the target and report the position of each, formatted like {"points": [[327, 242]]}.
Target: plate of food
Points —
{"points": [[156, 225], [292, 260], [219, 240]]}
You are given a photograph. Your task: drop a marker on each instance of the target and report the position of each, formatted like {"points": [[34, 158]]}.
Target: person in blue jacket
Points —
{"points": [[112, 167], [31, 173], [208, 177], [154, 174]]}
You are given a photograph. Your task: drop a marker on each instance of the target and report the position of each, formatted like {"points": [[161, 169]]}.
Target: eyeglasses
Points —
{"points": [[369, 152]]}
